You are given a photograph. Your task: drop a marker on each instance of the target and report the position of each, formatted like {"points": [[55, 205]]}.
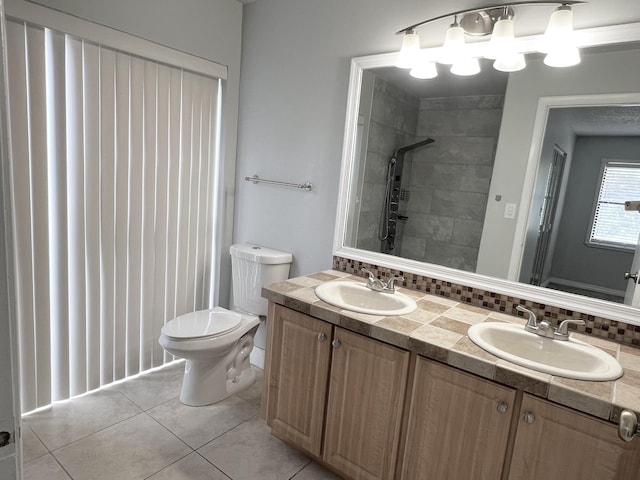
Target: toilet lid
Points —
{"points": [[204, 323]]}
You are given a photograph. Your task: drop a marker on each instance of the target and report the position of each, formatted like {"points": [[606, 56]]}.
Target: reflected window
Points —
{"points": [[612, 226]]}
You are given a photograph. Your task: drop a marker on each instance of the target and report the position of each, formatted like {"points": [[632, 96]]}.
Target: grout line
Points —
{"points": [[213, 465], [167, 466]]}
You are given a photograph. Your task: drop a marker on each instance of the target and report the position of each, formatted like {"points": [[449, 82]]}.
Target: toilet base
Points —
{"points": [[207, 381], [199, 397]]}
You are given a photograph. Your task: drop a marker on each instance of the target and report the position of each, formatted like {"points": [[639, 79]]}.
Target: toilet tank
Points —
{"points": [[252, 267]]}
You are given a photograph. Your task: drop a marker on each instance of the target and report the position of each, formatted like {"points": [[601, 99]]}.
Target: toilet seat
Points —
{"points": [[202, 324]]}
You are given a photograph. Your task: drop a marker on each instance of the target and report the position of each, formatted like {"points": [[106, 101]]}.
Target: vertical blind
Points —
{"points": [[113, 187]]}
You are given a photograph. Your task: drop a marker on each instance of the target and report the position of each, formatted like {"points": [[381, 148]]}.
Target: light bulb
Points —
{"points": [[559, 32], [425, 68], [466, 67], [502, 39], [410, 50], [563, 57], [510, 63], [453, 49]]}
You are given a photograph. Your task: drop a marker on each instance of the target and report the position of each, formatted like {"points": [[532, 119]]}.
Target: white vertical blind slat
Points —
{"points": [[136, 129], [161, 209], [107, 214], [76, 217], [17, 69], [91, 134], [147, 277], [203, 205], [113, 165], [59, 269], [211, 197], [186, 160], [39, 208], [196, 165], [121, 213], [173, 190]]}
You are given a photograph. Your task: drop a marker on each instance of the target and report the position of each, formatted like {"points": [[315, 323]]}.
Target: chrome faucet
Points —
{"points": [[378, 285], [545, 328]]}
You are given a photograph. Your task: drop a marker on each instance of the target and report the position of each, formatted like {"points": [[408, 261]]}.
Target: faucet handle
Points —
{"points": [[390, 283], [532, 323], [563, 329], [369, 274]]}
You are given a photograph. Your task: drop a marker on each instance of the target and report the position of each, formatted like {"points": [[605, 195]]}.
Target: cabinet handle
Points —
{"points": [[502, 407], [321, 337], [628, 426], [528, 417], [336, 343]]}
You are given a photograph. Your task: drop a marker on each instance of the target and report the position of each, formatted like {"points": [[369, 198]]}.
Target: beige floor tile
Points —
{"points": [[313, 471], [191, 467], [69, 421], [199, 425], [32, 447], [131, 450], [253, 394], [250, 451], [44, 468], [153, 388]]}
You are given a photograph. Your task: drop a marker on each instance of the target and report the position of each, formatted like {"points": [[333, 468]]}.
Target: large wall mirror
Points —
{"points": [[493, 180]]}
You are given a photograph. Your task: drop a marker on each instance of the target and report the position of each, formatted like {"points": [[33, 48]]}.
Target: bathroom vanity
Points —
{"points": [[411, 397]]}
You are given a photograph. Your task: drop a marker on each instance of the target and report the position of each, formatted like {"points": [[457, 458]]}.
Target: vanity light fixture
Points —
{"points": [[425, 68], [498, 21]]}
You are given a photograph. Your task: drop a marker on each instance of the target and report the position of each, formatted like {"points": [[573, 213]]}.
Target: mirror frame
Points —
{"points": [[585, 38]]}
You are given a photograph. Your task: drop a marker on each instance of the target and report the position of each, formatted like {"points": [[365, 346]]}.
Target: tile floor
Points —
{"points": [[138, 429]]}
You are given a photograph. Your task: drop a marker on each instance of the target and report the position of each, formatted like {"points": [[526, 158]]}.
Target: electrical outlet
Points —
{"points": [[510, 210]]}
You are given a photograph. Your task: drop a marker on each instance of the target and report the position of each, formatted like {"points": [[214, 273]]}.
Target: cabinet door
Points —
{"points": [[297, 375], [553, 442], [364, 411], [458, 425]]}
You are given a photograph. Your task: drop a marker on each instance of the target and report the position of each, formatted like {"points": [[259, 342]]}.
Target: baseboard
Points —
{"points": [[585, 286]]}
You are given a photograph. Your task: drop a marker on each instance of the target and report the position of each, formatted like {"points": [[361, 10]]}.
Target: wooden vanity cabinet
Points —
{"points": [[316, 371], [457, 425], [342, 398], [297, 366], [553, 442], [364, 410]]}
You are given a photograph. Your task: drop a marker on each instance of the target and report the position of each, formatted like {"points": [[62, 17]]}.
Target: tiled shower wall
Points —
{"points": [[613, 330], [449, 180], [394, 116]]}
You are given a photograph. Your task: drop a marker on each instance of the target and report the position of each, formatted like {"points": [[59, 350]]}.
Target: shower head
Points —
{"points": [[412, 146]]}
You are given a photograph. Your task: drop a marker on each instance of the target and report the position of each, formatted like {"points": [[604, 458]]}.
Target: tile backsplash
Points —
{"points": [[597, 326]]}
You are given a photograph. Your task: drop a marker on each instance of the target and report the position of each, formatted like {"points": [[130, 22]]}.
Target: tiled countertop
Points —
{"points": [[437, 329]]}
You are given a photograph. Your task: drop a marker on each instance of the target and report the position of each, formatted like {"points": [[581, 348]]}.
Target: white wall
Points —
{"points": [[613, 72], [574, 260], [210, 29], [295, 71], [558, 132]]}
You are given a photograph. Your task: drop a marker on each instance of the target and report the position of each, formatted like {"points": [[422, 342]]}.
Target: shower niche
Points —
{"points": [[424, 171]]}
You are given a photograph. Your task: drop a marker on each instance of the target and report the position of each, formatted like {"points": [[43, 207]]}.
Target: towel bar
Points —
{"points": [[256, 179]]}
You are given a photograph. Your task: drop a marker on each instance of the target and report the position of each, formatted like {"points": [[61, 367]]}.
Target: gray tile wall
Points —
{"points": [[394, 117], [449, 181]]}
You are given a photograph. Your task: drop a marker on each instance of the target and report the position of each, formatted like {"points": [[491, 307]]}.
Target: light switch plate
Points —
{"points": [[510, 210]]}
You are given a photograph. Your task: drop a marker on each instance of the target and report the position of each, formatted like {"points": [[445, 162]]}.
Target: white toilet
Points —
{"points": [[217, 343]]}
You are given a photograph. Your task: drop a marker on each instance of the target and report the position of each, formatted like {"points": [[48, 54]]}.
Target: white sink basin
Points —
{"points": [[571, 359], [358, 298]]}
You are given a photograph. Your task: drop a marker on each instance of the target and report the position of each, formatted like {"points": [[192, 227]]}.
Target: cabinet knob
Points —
{"points": [[502, 407], [336, 343], [321, 337], [528, 417]]}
